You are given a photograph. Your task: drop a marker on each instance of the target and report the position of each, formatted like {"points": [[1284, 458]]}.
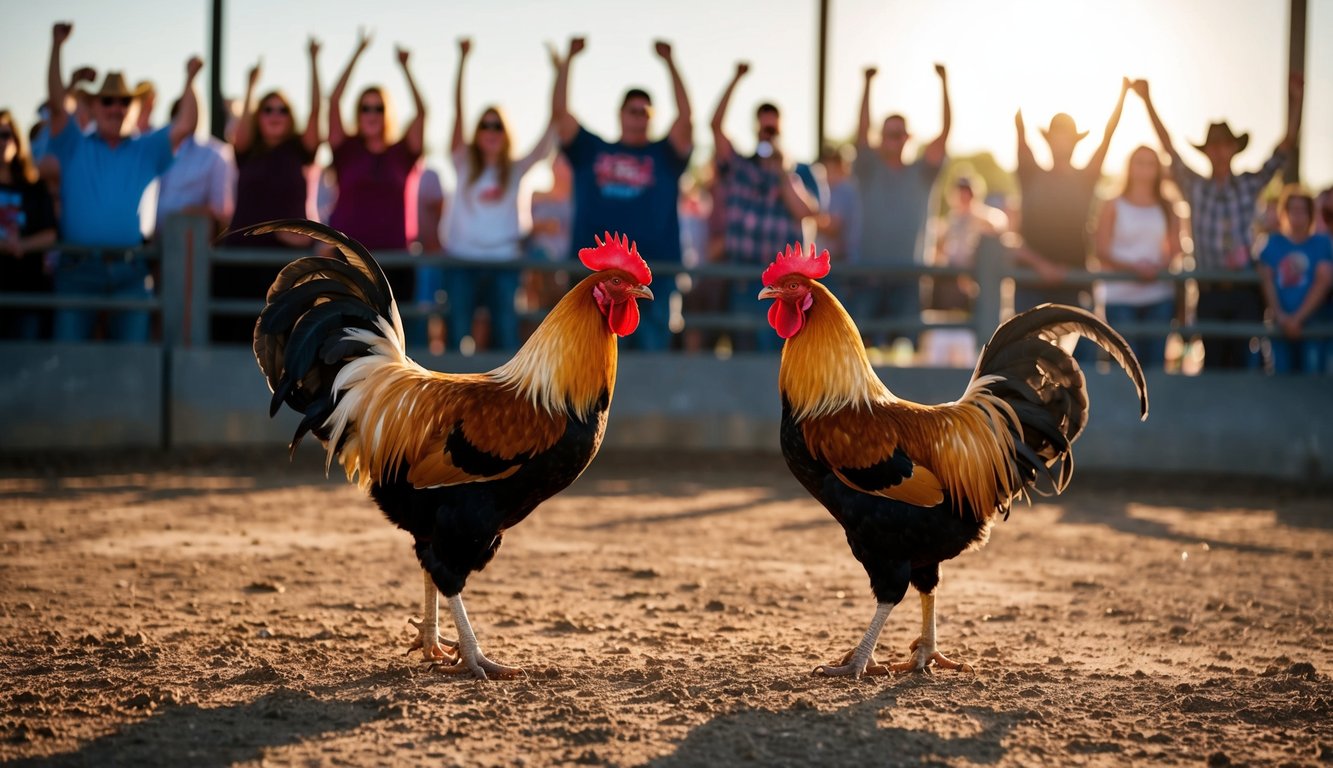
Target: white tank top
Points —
{"points": [[1138, 236]]}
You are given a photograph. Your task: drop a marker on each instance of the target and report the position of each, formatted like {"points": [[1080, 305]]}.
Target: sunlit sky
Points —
{"points": [[1206, 60]]}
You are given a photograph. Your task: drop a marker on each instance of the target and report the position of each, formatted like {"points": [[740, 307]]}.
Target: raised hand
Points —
{"points": [[742, 67], [939, 70], [83, 75], [363, 39], [193, 66], [313, 46], [1141, 88], [576, 45], [60, 31], [870, 73], [255, 71], [1018, 120], [1125, 85], [663, 49], [402, 53], [464, 46]]}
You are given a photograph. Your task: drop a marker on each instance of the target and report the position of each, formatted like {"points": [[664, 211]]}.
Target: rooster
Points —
{"points": [[453, 459], [914, 485]]}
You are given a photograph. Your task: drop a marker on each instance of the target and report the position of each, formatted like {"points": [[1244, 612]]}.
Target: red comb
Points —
{"points": [[616, 252], [794, 260]]}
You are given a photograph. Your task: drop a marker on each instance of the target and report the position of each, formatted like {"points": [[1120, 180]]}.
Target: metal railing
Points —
{"points": [[185, 255]]}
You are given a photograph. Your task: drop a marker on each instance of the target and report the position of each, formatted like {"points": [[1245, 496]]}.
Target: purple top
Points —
{"points": [[271, 183], [372, 193]]}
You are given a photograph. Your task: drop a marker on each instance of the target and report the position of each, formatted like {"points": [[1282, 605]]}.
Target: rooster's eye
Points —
{"points": [[615, 281], [791, 286]]}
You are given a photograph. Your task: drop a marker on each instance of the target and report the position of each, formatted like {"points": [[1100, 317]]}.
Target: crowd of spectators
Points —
{"points": [[71, 224]]}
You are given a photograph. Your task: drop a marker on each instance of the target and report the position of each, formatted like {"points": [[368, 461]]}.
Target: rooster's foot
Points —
{"points": [[923, 657], [847, 667], [480, 667], [441, 649]]}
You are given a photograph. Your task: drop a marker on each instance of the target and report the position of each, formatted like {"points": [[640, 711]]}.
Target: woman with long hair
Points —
{"points": [[273, 160], [373, 167], [27, 230], [1139, 232], [491, 217]]}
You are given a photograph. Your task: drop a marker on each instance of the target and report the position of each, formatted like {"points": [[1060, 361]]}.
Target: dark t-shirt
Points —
{"points": [[1056, 206], [25, 209], [271, 184], [630, 190], [372, 193]]}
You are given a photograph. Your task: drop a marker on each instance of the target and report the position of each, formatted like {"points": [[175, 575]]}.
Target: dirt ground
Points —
{"points": [[241, 610]]}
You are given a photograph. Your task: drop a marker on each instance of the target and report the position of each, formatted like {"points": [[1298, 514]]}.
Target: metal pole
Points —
{"points": [[217, 109], [823, 75], [1295, 64]]}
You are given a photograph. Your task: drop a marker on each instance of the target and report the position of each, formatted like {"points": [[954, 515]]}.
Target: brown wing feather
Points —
{"points": [[865, 451]]}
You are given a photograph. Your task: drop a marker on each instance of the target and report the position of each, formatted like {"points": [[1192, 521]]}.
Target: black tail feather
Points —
{"points": [[299, 337], [1046, 388]]}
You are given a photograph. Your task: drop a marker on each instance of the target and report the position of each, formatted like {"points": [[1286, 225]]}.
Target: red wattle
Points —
{"points": [[786, 318], [623, 317]]}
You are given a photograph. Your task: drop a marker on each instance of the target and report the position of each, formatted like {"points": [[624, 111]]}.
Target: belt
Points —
{"points": [[105, 256]]}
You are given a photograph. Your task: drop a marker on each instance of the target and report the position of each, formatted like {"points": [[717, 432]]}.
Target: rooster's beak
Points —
{"points": [[641, 292], [768, 293]]}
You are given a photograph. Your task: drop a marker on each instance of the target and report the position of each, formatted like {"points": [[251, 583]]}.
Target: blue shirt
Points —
{"points": [[100, 187], [1294, 265], [630, 190]]}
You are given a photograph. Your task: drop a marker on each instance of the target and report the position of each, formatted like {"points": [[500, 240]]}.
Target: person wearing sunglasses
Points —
{"points": [[490, 217], [373, 166], [27, 229], [274, 154], [631, 185], [103, 176]]}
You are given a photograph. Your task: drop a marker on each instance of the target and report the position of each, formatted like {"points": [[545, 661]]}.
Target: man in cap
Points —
{"points": [[1222, 212], [103, 176], [1053, 223]]}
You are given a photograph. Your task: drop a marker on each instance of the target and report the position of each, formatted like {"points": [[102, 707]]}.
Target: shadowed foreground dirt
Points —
{"points": [[669, 611]]}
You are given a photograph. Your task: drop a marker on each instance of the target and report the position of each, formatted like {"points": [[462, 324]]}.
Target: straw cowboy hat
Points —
{"points": [[114, 86], [1062, 123], [1222, 132]]}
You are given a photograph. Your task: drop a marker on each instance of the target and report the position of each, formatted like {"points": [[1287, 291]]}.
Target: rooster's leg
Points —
{"points": [[924, 650], [861, 660], [428, 639], [470, 658]]}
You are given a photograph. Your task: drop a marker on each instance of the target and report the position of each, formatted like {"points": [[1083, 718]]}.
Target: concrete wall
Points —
{"points": [[103, 396]]}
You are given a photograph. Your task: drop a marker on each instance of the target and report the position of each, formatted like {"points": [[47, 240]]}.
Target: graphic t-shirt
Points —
{"points": [[1294, 265]]}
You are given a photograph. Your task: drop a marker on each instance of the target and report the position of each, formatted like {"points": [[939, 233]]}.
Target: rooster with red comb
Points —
{"points": [[455, 460], [914, 485]]}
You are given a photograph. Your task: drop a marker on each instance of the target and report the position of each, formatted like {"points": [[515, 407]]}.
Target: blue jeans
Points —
{"points": [[884, 298], [1150, 350], [1297, 356], [429, 283], [493, 289], [113, 278]]}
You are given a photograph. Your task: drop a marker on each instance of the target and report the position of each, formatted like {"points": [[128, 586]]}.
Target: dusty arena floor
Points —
{"points": [[669, 611]]}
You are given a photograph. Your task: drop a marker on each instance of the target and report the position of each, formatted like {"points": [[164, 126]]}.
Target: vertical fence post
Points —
{"points": [[200, 285], [990, 277]]}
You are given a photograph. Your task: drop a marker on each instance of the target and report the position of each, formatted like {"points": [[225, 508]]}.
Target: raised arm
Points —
{"points": [[1099, 156], [1141, 88], [1295, 105], [457, 141], [934, 153], [566, 125], [187, 119], [1025, 158], [310, 138], [416, 130], [242, 137], [143, 123], [681, 134], [863, 122], [55, 83], [722, 149], [337, 131]]}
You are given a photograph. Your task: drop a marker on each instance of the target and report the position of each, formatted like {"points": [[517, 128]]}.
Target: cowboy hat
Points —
{"points": [[114, 86], [1222, 132], [1062, 123]]}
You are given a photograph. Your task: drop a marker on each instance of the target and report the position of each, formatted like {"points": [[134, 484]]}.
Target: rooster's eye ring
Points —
{"points": [[615, 281]]}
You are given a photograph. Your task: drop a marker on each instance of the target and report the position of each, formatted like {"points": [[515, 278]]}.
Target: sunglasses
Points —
{"points": [[372, 109], [116, 101], [636, 111], [278, 110], [490, 125], [6, 135]]}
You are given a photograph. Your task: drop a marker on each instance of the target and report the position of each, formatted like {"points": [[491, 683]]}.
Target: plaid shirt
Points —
{"points": [[758, 224], [1221, 216]]}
